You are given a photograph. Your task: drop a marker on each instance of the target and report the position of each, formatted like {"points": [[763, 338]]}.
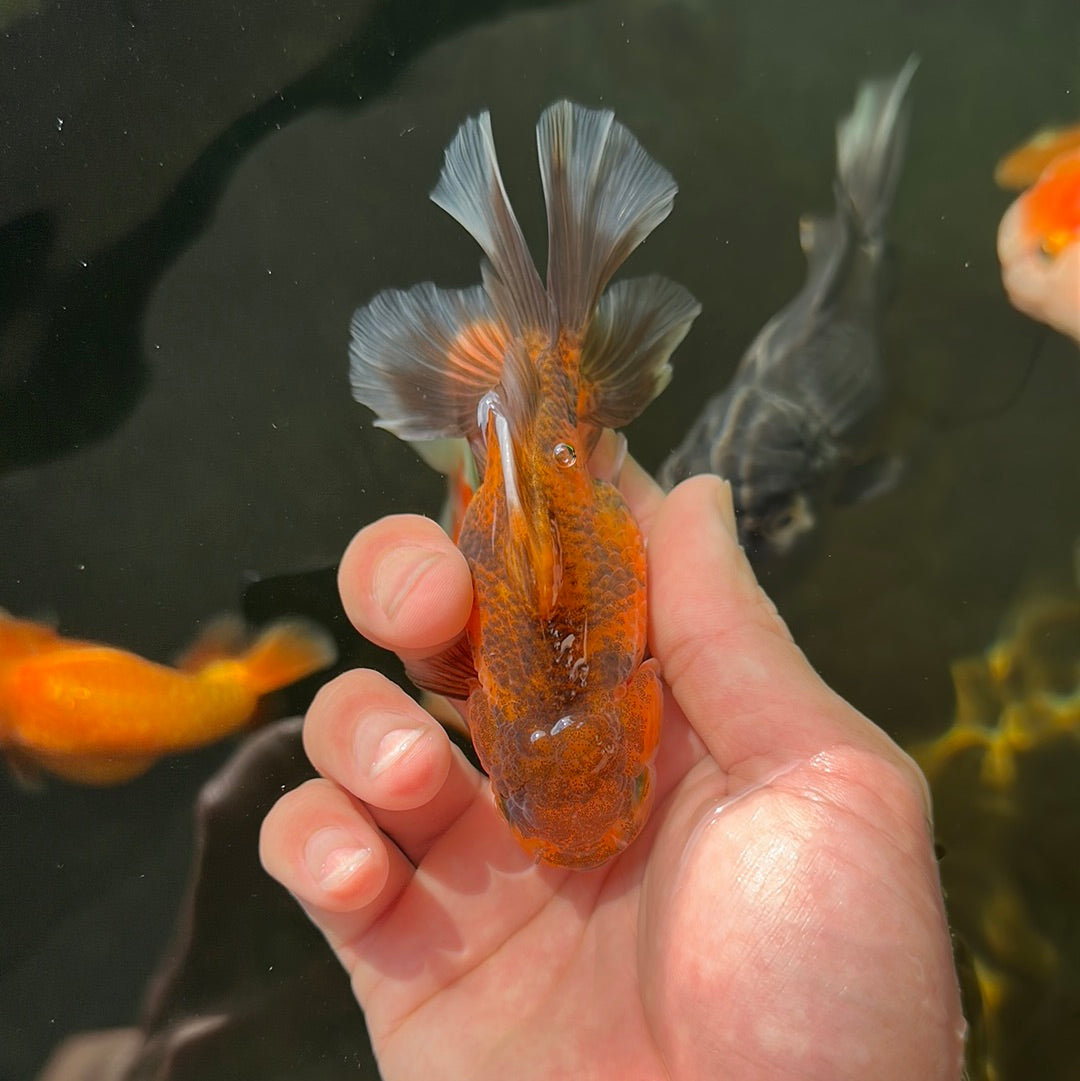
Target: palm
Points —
{"points": [[480, 918], [779, 917], [672, 925]]}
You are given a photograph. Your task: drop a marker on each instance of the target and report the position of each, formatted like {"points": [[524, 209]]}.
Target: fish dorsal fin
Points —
{"points": [[625, 358], [470, 189], [422, 358], [604, 195]]}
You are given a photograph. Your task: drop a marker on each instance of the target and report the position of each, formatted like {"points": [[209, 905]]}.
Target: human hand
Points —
{"points": [[780, 916]]}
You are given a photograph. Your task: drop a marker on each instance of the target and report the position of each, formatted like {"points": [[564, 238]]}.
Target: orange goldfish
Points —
{"points": [[1038, 245], [1050, 211], [454, 460], [562, 707], [1020, 168], [90, 713]]}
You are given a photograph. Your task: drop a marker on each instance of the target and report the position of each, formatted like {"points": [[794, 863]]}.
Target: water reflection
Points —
{"points": [[203, 356]]}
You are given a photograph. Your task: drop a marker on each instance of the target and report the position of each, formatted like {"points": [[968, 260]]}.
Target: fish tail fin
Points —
{"points": [[870, 145], [604, 195], [470, 189], [423, 358], [285, 652]]}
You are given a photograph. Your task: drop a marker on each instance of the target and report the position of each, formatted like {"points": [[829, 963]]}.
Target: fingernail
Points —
{"points": [[392, 748], [726, 502], [333, 857], [397, 572]]}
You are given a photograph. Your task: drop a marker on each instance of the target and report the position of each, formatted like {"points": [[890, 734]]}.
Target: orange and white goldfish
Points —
{"points": [[563, 710], [90, 713], [1039, 244], [1050, 209], [1020, 168], [452, 458]]}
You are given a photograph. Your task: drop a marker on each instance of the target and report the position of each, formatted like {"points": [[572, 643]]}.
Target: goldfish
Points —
{"points": [[815, 369], [1050, 209], [90, 713], [1020, 168], [1038, 245], [562, 706], [452, 458]]}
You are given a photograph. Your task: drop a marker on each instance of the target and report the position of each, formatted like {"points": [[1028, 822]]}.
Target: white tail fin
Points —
{"points": [[604, 196], [470, 189], [870, 145]]}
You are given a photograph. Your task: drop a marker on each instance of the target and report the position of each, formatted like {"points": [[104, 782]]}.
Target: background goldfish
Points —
{"points": [[564, 714], [90, 713], [1020, 168], [1050, 210], [1038, 236], [815, 370]]}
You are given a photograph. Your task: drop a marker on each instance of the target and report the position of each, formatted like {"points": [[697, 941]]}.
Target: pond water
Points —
{"points": [[194, 201]]}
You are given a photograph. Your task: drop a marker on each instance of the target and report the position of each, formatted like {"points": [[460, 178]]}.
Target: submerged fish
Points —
{"points": [[563, 711], [1038, 245], [1020, 168], [815, 369], [90, 713], [452, 458], [1050, 209]]}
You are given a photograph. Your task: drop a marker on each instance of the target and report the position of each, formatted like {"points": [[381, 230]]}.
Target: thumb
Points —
{"points": [[726, 655]]}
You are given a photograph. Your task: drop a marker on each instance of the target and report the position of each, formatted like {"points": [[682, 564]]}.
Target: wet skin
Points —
{"points": [[780, 916]]}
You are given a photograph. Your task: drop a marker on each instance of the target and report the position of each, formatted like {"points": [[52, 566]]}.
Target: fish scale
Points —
{"points": [[562, 708]]}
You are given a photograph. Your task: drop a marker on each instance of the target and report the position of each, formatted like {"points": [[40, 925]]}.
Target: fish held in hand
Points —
{"points": [[563, 710], [90, 713]]}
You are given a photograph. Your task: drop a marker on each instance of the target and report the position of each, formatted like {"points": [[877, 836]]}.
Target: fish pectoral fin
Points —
{"points": [[869, 479], [445, 712], [422, 358], [625, 357], [456, 461], [451, 673]]}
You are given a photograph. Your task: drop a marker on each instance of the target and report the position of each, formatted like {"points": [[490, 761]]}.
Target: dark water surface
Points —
{"points": [[192, 203]]}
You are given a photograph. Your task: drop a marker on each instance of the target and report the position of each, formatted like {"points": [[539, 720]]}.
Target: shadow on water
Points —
{"points": [[883, 596], [81, 367]]}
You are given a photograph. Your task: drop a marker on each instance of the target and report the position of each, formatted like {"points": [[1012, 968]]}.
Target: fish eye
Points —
{"points": [[565, 455]]}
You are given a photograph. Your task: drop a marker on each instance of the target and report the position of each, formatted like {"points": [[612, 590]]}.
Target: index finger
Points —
{"points": [[406, 587]]}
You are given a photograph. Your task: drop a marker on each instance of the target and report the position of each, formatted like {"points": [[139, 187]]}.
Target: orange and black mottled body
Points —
{"points": [[562, 708], [565, 720]]}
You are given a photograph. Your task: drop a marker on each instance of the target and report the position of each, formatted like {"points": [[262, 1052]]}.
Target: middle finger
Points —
{"points": [[367, 735]]}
